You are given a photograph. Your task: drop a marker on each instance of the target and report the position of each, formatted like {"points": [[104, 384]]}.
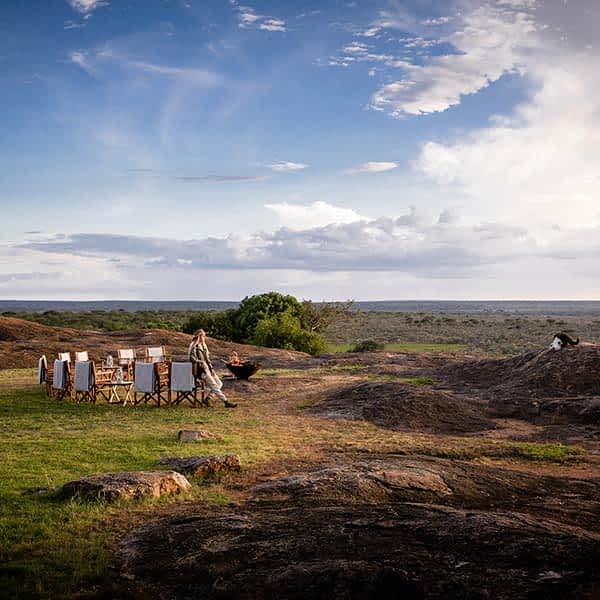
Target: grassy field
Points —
{"points": [[416, 347], [490, 334], [51, 547]]}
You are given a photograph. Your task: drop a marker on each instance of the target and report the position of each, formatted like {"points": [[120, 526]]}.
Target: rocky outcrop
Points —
{"points": [[202, 466], [195, 435], [536, 386], [127, 486], [401, 406], [380, 529]]}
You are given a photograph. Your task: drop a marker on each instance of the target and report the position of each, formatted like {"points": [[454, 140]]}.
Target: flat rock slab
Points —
{"points": [[127, 486], [202, 466], [195, 435], [360, 552]]}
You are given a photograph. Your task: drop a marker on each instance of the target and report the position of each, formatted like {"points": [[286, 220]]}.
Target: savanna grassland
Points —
{"points": [[361, 474]]}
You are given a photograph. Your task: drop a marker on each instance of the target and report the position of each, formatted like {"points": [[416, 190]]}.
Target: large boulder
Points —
{"points": [[127, 486]]}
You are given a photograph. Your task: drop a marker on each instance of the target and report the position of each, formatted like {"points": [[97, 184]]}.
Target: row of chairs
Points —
{"points": [[155, 379]]}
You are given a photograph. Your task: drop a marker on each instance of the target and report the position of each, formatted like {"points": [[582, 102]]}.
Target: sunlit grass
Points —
{"points": [[415, 347]]}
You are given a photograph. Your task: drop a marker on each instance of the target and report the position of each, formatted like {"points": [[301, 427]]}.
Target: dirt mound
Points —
{"points": [[23, 342], [402, 407], [376, 530], [566, 382]]}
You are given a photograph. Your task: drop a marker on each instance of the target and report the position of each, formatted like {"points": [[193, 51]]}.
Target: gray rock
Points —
{"points": [[199, 435], [202, 466], [127, 486]]}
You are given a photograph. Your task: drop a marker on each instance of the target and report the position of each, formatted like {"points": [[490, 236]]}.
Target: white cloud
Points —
{"points": [[273, 25], [80, 58], [493, 40], [317, 214], [319, 242], [373, 167], [539, 165], [86, 7], [438, 21], [193, 75], [248, 18], [286, 166]]}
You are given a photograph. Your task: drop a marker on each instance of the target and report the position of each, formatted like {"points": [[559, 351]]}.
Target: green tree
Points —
{"points": [[283, 330], [254, 309]]}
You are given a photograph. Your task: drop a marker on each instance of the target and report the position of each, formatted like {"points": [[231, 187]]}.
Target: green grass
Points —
{"points": [[422, 381], [549, 452], [415, 347], [530, 451], [49, 546]]}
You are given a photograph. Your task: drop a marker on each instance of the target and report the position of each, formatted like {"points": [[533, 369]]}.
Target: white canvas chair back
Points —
{"points": [[155, 354], [64, 356], [126, 355], [42, 369], [81, 356]]}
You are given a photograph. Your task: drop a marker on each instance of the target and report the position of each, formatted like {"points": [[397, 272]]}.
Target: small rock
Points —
{"points": [[127, 486], [199, 435], [202, 466]]}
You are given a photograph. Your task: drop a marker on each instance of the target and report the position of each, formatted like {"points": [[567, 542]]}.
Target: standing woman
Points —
{"points": [[200, 358]]}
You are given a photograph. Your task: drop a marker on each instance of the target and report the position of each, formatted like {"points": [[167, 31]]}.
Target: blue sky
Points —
{"points": [[187, 149]]}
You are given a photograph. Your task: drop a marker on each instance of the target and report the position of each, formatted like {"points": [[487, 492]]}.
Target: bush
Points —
{"points": [[368, 346], [283, 330], [254, 309]]}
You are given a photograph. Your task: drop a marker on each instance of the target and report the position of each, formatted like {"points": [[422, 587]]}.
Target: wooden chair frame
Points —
{"points": [[126, 358], [150, 356], [100, 387]]}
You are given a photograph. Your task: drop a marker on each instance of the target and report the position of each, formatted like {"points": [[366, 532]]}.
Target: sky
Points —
{"points": [[341, 149]]}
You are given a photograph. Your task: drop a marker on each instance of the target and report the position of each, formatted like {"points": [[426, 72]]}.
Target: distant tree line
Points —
{"points": [[114, 320]]}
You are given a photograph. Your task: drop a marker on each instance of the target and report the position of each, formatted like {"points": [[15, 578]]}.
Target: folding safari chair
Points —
{"points": [[45, 374], [144, 382], [102, 382], [183, 385], [61, 379], [126, 358], [163, 392], [155, 354], [151, 383], [83, 381]]}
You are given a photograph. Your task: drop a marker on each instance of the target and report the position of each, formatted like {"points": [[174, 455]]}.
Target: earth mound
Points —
{"points": [[565, 382], [423, 534], [23, 342], [401, 407]]}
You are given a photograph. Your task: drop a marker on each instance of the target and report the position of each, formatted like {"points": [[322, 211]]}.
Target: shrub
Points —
{"points": [[283, 330], [368, 346], [254, 309]]}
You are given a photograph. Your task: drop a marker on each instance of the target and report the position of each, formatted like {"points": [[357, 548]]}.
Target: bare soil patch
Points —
{"points": [[405, 407]]}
